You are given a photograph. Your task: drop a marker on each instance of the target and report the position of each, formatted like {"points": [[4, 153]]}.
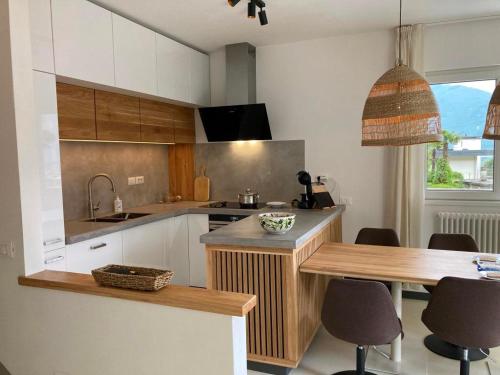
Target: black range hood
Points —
{"points": [[236, 123]]}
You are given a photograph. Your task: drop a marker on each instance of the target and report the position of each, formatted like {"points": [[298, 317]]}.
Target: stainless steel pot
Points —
{"points": [[248, 198]]}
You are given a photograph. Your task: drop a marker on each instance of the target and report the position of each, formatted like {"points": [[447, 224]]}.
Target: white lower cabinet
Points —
{"points": [[85, 256], [143, 245], [55, 260], [198, 225], [172, 244], [177, 249]]}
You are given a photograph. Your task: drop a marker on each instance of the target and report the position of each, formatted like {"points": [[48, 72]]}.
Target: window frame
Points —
{"points": [[455, 76]]}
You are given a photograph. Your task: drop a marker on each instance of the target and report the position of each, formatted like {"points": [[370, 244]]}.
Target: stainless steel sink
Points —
{"points": [[117, 218]]}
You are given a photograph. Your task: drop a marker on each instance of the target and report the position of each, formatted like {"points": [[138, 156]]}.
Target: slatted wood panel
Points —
{"points": [[76, 112], [258, 274], [288, 311]]}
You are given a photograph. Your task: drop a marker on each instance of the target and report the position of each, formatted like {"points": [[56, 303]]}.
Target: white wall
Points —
{"points": [[462, 45], [316, 90], [46, 332]]}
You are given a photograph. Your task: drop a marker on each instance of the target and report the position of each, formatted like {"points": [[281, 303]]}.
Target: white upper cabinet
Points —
{"points": [[42, 49], [173, 69], [83, 41], [135, 56], [44, 87], [199, 78]]}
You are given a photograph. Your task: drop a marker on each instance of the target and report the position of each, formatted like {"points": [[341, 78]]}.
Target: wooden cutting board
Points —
{"points": [[202, 187]]}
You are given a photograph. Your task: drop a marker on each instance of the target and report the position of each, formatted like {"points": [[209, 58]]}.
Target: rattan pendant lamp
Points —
{"points": [[492, 128], [401, 109]]}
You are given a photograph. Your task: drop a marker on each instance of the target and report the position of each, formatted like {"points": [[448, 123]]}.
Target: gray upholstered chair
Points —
{"points": [[378, 237], [456, 242], [362, 313], [464, 313]]}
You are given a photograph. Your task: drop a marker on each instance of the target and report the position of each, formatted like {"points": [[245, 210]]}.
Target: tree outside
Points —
{"points": [[439, 173]]}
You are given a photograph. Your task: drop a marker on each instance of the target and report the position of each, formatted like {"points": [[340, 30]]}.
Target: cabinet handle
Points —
{"points": [[95, 247], [52, 242], [54, 260]]}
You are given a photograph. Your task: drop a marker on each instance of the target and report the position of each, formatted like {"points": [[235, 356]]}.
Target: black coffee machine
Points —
{"points": [[307, 198]]}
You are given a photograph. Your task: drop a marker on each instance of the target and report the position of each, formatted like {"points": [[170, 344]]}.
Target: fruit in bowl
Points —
{"points": [[277, 222]]}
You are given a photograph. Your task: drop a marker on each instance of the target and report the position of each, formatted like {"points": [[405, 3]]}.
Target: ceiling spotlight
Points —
{"points": [[233, 2], [260, 3], [251, 9], [263, 17]]}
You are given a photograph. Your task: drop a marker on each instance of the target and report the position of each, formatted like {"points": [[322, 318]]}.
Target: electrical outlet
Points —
{"points": [[139, 180], [132, 181], [7, 249]]}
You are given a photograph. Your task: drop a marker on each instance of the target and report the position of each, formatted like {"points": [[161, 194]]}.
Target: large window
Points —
{"points": [[463, 166]]}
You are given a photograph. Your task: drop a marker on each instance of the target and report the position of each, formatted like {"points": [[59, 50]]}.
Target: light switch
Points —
{"points": [[346, 200], [7, 249], [139, 180], [132, 181]]}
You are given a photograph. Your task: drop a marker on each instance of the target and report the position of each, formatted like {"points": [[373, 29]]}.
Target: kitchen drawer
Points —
{"points": [[55, 260], [85, 256]]}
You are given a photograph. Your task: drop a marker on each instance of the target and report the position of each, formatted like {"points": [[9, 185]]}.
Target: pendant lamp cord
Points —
{"points": [[400, 58]]}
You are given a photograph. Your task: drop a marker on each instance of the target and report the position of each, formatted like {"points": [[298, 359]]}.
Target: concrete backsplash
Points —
{"points": [[268, 167], [82, 160]]}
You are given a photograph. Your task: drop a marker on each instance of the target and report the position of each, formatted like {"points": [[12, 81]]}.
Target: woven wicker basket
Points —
{"points": [[132, 277]]}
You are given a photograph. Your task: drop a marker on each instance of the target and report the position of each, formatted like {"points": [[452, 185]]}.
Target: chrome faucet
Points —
{"points": [[92, 208]]}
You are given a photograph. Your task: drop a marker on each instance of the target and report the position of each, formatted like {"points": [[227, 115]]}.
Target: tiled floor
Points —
{"points": [[328, 355]]}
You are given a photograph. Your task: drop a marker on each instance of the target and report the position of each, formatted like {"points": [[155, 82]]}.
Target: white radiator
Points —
{"points": [[484, 228]]}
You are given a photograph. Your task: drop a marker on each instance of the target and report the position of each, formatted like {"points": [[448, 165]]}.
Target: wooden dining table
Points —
{"points": [[397, 265]]}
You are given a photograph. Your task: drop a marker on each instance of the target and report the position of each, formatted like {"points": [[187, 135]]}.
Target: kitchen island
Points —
{"points": [[243, 258]]}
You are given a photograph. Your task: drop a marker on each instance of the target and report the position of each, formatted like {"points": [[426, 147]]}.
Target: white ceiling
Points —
{"points": [[211, 24]]}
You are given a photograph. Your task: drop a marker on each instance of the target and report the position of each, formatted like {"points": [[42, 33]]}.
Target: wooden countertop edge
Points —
{"points": [[218, 302]]}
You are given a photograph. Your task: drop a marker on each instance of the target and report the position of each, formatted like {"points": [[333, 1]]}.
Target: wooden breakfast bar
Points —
{"points": [[243, 258]]}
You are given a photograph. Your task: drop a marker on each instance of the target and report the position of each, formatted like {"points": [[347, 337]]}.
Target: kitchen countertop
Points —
{"points": [[248, 232], [81, 230]]}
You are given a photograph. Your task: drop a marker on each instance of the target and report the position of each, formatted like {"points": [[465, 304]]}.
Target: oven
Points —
{"points": [[216, 221]]}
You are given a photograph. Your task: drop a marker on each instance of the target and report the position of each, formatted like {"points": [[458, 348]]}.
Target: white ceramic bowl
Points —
{"points": [[277, 222]]}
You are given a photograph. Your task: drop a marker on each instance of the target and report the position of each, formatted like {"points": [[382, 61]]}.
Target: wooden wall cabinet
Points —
{"points": [[117, 117], [76, 110], [184, 125], [88, 114], [157, 122]]}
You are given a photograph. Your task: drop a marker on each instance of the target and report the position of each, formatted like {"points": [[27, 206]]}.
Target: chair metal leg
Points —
{"points": [[445, 349], [360, 364], [464, 362], [360, 360]]}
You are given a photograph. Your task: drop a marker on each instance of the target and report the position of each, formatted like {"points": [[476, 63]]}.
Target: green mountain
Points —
{"points": [[463, 110]]}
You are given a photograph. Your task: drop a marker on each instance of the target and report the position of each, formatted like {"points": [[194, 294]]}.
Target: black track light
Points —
{"points": [[251, 9], [263, 18], [233, 2], [260, 3]]}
